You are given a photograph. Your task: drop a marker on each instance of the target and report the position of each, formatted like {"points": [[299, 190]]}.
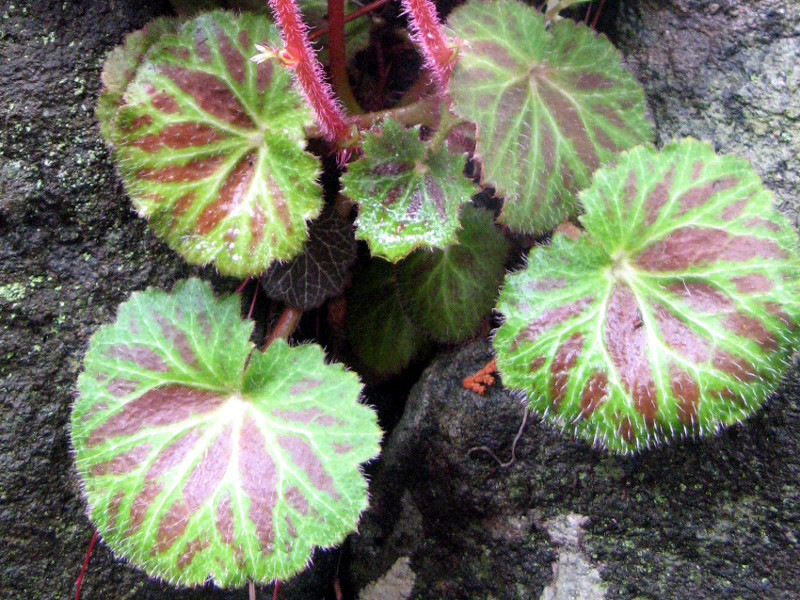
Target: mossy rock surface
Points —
{"points": [[700, 519]]}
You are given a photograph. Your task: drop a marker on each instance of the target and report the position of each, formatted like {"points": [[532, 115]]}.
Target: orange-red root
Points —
{"points": [[482, 379]]}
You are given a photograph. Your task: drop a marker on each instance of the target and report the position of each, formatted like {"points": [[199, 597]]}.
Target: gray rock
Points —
{"points": [[724, 71], [574, 577], [709, 519]]}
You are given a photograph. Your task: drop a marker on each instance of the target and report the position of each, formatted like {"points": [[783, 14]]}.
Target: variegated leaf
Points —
{"points": [[211, 146], [201, 457], [120, 67], [675, 314], [550, 107], [407, 193], [447, 292]]}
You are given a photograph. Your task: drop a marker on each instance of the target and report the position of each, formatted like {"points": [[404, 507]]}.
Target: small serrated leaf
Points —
{"points": [[408, 195], [447, 292], [210, 146], [195, 465], [321, 271], [550, 107], [675, 314], [378, 329]]}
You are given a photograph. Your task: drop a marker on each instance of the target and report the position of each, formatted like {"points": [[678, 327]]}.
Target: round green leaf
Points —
{"points": [[550, 107], [408, 194], [675, 314], [201, 457], [447, 292], [211, 146], [385, 340]]}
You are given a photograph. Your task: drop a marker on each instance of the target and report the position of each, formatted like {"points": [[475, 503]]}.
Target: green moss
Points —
{"points": [[12, 292]]}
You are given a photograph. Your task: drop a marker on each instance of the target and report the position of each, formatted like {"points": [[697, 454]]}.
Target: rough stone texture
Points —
{"points": [[71, 250], [574, 576], [711, 519], [726, 71], [397, 584]]}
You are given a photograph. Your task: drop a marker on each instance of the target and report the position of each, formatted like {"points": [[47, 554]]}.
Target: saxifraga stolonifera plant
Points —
{"points": [[671, 310]]}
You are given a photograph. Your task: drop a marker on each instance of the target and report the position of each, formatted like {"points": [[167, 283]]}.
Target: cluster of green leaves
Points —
{"points": [[441, 295], [673, 312]]}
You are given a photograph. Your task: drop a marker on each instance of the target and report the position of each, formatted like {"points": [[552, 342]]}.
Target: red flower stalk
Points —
{"points": [[298, 55], [428, 34]]}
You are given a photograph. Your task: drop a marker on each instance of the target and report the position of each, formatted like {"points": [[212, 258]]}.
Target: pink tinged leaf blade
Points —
{"points": [[408, 194], [210, 146], [197, 463], [675, 314], [550, 107], [119, 68]]}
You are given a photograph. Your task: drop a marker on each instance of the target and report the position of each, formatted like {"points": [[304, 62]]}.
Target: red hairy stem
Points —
{"points": [[298, 55], [336, 50], [242, 286], [428, 34], [286, 325]]}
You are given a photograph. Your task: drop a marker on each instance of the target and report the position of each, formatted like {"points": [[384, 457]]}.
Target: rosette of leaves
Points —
{"points": [[201, 456], [320, 271], [676, 313], [446, 293], [550, 107], [210, 145], [408, 192]]}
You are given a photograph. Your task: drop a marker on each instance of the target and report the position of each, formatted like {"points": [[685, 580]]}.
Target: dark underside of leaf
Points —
{"points": [[675, 314], [384, 339], [321, 271]]}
